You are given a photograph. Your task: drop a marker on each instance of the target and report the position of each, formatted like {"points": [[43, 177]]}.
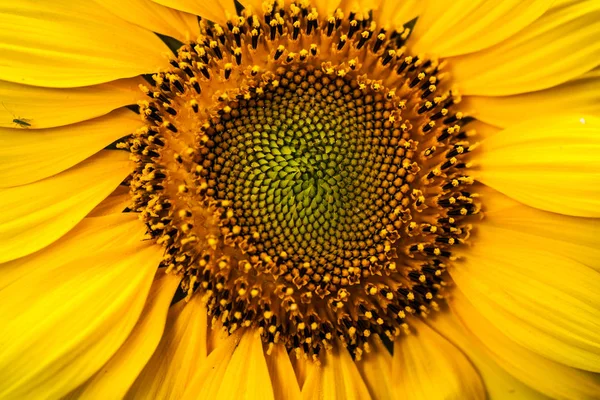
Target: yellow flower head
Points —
{"points": [[300, 199]]}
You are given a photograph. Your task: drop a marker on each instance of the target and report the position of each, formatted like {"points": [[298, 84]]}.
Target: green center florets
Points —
{"points": [[313, 166]]}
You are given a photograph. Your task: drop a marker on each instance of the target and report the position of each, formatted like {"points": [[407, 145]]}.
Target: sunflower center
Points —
{"points": [[304, 175], [310, 167]]}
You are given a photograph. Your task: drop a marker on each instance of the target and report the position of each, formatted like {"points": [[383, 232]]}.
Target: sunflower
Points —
{"points": [[300, 199]]}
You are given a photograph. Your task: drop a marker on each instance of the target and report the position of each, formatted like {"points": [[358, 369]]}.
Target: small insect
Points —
{"points": [[19, 121]]}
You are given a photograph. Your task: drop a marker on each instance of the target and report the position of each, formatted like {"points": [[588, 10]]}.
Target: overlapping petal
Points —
{"points": [[545, 301], [45, 107], [561, 45], [337, 378], [580, 95], [553, 379], [77, 43], [67, 309], [576, 238], [499, 383], [32, 155], [426, 366], [246, 376], [376, 369], [207, 379], [281, 372], [551, 164], [116, 376], [39, 213], [180, 353], [449, 28], [216, 11], [155, 17]]}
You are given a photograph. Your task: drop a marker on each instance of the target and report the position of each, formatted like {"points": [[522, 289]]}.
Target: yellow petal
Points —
{"points": [[427, 366], [301, 367], [44, 107], [32, 155], [553, 379], [208, 377], [581, 95], [376, 370], [552, 164], [118, 200], [180, 353], [561, 45], [247, 375], [217, 336], [235, 370], [573, 237], [283, 379], [37, 214], [86, 232], [499, 384], [394, 14], [70, 310], [216, 11], [336, 378], [449, 28], [157, 18], [116, 376], [68, 44], [544, 301]]}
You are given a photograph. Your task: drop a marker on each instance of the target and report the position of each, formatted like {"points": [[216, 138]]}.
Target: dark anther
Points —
{"points": [[165, 87], [445, 135], [426, 93], [427, 127], [447, 164], [158, 142], [178, 85], [362, 41], [402, 67], [171, 127], [155, 117], [204, 72], [387, 59], [414, 276], [312, 24], [330, 27], [377, 44], [422, 109], [218, 52], [196, 87], [450, 120], [437, 116], [414, 82], [188, 71]]}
